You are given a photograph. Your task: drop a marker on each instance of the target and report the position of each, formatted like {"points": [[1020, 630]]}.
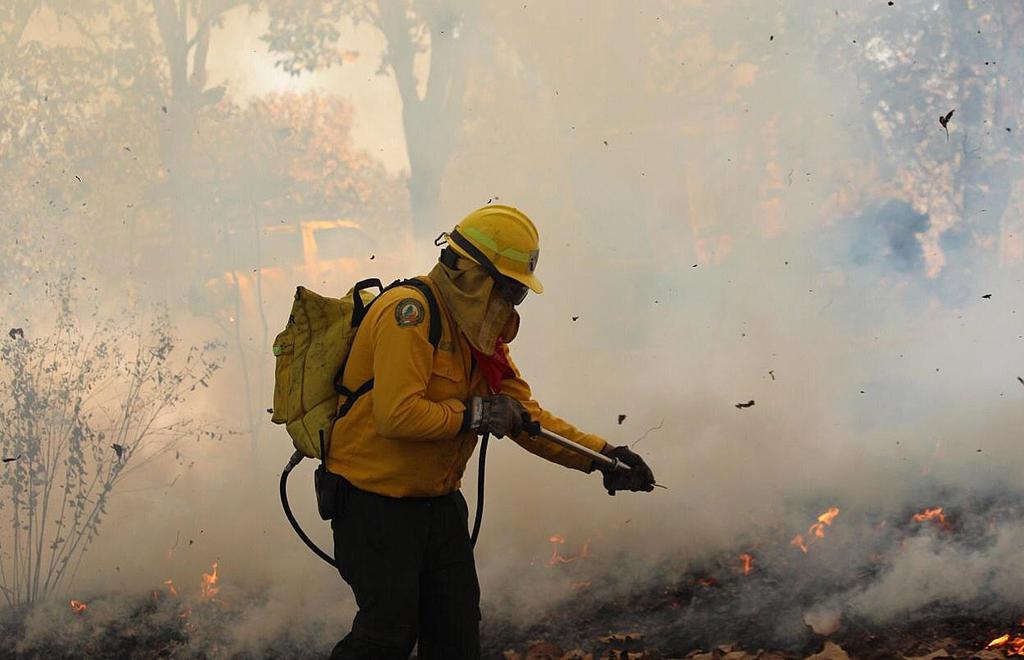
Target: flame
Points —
{"points": [[77, 606], [558, 558], [824, 520], [210, 588], [707, 582], [934, 515], [999, 641], [817, 530], [748, 563], [185, 613], [170, 587], [1012, 645]]}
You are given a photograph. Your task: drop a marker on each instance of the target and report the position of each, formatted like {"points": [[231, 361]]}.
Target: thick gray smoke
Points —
{"points": [[737, 201]]}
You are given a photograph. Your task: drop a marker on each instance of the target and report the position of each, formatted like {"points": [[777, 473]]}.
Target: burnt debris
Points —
{"points": [[944, 121]]}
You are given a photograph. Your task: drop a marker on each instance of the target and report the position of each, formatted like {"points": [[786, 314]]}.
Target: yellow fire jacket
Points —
{"points": [[402, 439]]}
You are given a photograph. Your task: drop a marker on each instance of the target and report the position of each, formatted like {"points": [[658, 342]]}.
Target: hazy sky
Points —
{"points": [[246, 65]]}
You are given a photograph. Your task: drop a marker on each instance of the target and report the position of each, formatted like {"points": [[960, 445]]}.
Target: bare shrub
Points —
{"points": [[81, 407]]}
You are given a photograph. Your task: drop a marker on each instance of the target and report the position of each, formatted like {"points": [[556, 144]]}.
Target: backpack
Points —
{"points": [[310, 356]]}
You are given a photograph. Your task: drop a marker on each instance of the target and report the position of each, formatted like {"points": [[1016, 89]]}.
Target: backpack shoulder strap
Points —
{"points": [[434, 335]]}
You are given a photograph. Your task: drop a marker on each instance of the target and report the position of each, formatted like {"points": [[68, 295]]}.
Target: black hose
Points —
{"points": [[295, 460], [479, 490]]}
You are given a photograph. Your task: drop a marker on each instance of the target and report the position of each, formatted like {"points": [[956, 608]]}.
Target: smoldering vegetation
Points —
{"points": [[737, 202]]}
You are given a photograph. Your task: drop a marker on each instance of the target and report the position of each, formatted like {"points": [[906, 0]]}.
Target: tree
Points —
{"points": [[308, 36], [954, 55], [299, 164], [80, 409]]}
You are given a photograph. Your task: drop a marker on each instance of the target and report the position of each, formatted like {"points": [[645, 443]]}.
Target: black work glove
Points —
{"points": [[638, 478], [499, 414]]}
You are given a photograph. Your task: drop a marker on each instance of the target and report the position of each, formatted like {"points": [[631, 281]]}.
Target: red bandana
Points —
{"points": [[494, 367]]}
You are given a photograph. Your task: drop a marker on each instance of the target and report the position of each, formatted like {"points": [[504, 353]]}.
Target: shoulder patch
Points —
{"points": [[409, 312]]}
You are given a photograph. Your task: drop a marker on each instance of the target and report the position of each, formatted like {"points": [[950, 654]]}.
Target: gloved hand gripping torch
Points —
{"points": [[621, 468]]}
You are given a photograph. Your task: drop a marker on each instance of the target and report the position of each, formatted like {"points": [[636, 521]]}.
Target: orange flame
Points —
{"points": [[210, 588], [707, 582], [170, 587], [77, 606], [1012, 645], [824, 520], [999, 641], [934, 515], [558, 558], [748, 563], [815, 531]]}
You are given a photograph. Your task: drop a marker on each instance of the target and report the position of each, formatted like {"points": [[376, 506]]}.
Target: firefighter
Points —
{"points": [[401, 528]]}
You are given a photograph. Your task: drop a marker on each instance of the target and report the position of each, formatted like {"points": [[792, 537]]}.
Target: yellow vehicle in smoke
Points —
{"points": [[266, 268]]}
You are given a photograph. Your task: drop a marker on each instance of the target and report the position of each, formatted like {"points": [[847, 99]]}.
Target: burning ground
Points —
{"points": [[916, 584], [929, 583]]}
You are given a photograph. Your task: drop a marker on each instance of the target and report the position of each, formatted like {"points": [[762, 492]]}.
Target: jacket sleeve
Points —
{"points": [[403, 361], [519, 389]]}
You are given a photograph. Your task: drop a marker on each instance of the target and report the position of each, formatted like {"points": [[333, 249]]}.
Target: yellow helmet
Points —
{"points": [[505, 237]]}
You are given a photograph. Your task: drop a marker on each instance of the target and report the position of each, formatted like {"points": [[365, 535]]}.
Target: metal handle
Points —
{"points": [[535, 429], [608, 461]]}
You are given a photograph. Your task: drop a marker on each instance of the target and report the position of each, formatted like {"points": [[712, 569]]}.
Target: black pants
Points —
{"points": [[410, 564]]}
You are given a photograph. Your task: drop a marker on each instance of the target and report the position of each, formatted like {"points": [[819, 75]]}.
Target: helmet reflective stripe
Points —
{"points": [[491, 244]]}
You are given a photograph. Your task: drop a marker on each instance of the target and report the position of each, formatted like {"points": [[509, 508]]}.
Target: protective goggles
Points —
{"points": [[511, 290]]}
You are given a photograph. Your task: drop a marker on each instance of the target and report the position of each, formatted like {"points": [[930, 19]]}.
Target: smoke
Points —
{"points": [[726, 215]]}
